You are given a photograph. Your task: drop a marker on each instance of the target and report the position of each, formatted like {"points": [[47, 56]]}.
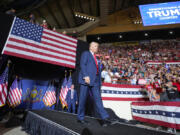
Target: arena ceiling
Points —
{"points": [[61, 13]]}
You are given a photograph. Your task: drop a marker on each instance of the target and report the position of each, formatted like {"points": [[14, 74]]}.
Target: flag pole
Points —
{"points": [[65, 73], [65, 77], [8, 63], [70, 72]]}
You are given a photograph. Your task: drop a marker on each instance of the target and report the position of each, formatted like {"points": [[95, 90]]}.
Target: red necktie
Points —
{"points": [[96, 63]]}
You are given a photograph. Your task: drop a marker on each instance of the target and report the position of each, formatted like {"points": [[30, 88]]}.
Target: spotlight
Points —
{"points": [[120, 36], [171, 32], [146, 34], [98, 38]]}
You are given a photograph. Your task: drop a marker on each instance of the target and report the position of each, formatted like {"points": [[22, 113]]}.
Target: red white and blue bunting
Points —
{"points": [[120, 92], [161, 113]]}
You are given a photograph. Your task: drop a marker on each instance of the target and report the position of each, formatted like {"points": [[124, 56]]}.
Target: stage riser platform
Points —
{"points": [[47, 122]]}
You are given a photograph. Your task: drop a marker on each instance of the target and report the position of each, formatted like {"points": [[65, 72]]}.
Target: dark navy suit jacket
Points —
{"points": [[68, 97], [88, 68]]}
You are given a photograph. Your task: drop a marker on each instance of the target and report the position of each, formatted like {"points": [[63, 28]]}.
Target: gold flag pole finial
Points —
{"points": [[8, 63], [65, 73]]}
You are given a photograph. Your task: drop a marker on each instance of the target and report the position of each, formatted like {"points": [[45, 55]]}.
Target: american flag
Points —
{"points": [[64, 90], [50, 96], [15, 94], [3, 87], [62, 95], [31, 41]]}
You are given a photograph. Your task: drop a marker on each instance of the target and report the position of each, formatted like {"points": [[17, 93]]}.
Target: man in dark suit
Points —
{"points": [[72, 99], [90, 79]]}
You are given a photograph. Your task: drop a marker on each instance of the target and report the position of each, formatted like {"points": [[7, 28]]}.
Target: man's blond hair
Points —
{"points": [[93, 42]]}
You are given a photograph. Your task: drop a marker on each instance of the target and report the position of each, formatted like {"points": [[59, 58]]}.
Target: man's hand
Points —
{"points": [[87, 79]]}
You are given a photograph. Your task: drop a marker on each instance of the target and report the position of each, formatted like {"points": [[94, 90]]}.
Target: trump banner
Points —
{"points": [[34, 93], [160, 113], [161, 13]]}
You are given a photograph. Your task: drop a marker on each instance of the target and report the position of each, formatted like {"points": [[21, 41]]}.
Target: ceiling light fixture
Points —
{"points": [[85, 16], [146, 34], [98, 38], [171, 32]]}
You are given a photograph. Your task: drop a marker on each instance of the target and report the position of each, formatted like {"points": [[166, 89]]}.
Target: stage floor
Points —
{"points": [[69, 121]]}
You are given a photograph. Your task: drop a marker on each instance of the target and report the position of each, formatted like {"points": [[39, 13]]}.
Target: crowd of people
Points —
{"points": [[128, 65]]}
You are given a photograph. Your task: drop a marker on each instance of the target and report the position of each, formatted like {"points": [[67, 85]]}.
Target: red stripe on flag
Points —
{"points": [[54, 35], [49, 97], [40, 53], [60, 42], [19, 94], [121, 85], [177, 104], [124, 99], [52, 97], [1, 94], [38, 59], [5, 89], [162, 123], [57, 46], [15, 96], [40, 47], [11, 101]]}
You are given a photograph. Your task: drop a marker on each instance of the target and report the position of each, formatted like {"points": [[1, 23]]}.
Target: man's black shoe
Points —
{"points": [[83, 122], [107, 122], [114, 122]]}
